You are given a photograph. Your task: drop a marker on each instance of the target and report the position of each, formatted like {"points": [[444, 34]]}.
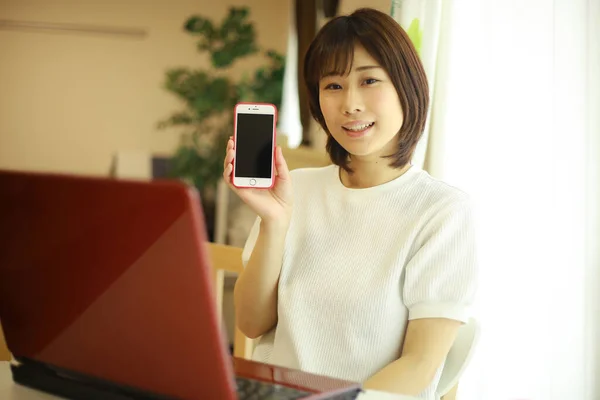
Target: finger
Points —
{"points": [[280, 164], [227, 173], [227, 177], [228, 158], [230, 143]]}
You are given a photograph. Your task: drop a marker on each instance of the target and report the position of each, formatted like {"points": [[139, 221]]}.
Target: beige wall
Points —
{"points": [[347, 6], [69, 101]]}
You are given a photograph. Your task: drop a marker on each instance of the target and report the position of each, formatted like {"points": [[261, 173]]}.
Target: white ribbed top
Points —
{"points": [[359, 263]]}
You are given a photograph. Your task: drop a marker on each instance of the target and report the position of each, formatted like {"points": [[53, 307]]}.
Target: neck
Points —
{"points": [[370, 173]]}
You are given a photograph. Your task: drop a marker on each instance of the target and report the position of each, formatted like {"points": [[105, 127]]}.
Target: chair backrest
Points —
{"points": [[131, 165], [4, 352], [303, 156], [228, 259], [459, 356]]}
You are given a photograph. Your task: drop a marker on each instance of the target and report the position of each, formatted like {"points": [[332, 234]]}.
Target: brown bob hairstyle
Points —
{"points": [[332, 52]]}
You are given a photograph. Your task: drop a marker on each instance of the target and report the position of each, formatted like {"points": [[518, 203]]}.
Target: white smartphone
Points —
{"points": [[254, 138]]}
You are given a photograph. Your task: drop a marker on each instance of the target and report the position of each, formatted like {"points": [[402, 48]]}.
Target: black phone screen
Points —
{"points": [[254, 145]]}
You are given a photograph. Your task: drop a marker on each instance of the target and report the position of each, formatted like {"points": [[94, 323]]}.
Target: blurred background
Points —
{"points": [[141, 90]]}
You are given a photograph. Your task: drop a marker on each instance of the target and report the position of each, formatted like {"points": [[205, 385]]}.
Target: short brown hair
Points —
{"points": [[332, 51]]}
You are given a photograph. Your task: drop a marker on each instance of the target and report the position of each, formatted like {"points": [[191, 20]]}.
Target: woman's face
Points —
{"points": [[362, 110]]}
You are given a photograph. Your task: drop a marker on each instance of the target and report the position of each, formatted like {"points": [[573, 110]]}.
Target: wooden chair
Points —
{"points": [[4, 352], [228, 259]]}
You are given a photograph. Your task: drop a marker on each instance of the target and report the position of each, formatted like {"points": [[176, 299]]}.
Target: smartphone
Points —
{"points": [[254, 138]]}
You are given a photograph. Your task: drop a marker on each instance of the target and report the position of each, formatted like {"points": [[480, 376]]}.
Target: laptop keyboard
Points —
{"points": [[250, 389]]}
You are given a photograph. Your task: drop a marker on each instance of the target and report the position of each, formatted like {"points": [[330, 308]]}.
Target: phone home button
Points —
{"points": [[252, 182]]}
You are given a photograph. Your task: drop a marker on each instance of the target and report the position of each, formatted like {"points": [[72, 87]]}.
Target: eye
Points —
{"points": [[371, 81], [333, 86]]}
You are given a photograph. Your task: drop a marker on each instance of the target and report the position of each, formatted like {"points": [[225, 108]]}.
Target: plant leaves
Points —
{"points": [[207, 94]]}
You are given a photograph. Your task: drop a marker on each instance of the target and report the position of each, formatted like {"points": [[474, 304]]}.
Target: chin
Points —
{"points": [[359, 151], [367, 150]]}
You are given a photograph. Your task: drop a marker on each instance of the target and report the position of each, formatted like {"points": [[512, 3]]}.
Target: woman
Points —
{"points": [[365, 269]]}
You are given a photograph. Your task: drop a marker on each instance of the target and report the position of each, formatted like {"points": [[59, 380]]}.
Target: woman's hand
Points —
{"points": [[272, 205]]}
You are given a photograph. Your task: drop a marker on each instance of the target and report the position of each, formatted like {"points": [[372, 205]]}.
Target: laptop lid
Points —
{"points": [[110, 279]]}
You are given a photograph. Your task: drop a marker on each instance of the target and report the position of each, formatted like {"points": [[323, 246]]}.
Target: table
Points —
{"points": [[11, 391]]}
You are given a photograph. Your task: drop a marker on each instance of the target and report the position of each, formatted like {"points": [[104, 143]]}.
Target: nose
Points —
{"points": [[353, 102]]}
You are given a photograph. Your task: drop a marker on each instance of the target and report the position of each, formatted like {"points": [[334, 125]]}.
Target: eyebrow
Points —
{"points": [[358, 69], [366, 67]]}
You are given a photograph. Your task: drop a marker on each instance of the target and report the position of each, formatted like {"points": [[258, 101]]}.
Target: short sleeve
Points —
{"points": [[441, 277], [250, 242]]}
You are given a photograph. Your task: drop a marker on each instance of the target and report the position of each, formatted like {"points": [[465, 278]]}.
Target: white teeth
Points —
{"points": [[360, 127]]}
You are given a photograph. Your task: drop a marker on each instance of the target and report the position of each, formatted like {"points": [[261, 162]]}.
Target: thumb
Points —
{"points": [[280, 165]]}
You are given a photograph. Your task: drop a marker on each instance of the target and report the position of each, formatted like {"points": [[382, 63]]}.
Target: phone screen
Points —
{"points": [[254, 145]]}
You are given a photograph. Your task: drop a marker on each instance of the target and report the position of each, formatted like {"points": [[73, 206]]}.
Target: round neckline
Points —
{"points": [[394, 183]]}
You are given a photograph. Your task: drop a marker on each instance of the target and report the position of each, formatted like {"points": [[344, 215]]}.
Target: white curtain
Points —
{"points": [[514, 123], [289, 115], [593, 196], [422, 21]]}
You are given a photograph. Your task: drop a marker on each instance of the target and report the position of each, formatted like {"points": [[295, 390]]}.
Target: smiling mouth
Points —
{"points": [[359, 129]]}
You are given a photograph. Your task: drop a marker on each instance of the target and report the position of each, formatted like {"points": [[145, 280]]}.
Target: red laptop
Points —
{"points": [[105, 293]]}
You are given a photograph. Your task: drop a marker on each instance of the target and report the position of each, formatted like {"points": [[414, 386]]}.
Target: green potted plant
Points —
{"points": [[209, 96]]}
